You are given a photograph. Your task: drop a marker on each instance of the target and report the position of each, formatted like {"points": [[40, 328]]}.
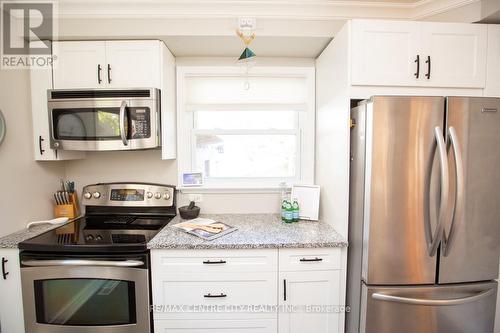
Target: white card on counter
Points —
{"points": [[308, 198]]}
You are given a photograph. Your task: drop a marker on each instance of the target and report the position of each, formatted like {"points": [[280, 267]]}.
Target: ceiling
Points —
{"points": [[285, 28]]}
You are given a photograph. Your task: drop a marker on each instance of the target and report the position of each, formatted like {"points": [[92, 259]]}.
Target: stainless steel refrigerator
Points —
{"points": [[424, 225]]}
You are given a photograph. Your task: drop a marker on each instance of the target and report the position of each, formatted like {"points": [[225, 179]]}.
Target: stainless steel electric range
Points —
{"points": [[92, 274]]}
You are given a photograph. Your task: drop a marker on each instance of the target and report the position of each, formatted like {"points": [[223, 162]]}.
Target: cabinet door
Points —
{"points": [[41, 81], [79, 64], [457, 54], [384, 53], [310, 301], [11, 305], [216, 326], [133, 64], [493, 62]]}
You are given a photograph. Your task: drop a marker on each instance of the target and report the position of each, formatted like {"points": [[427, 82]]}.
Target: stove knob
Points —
{"points": [[97, 195], [149, 195], [98, 238], [87, 195], [158, 195], [89, 238], [166, 196]]}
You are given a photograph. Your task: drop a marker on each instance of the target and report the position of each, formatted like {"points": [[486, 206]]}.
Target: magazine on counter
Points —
{"points": [[206, 229]]}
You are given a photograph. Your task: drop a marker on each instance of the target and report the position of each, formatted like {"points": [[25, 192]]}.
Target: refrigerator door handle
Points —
{"points": [[460, 191], [433, 302], [434, 238]]}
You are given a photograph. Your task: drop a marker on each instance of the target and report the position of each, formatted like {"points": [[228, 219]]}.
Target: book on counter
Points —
{"points": [[206, 229]]}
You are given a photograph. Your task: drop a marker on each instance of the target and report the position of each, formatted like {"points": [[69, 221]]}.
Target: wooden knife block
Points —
{"points": [[70, 211]]}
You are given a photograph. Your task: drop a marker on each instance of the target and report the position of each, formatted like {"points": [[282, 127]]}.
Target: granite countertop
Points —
{"points": [[255, 231], [11, 241]]}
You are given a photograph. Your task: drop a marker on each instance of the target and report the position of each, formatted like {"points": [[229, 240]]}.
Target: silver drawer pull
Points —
{"points": [[209, 295], [311, 260]]}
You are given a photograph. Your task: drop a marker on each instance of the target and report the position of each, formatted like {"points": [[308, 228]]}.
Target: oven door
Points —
{"points": [[95, 125], [78, 295]]}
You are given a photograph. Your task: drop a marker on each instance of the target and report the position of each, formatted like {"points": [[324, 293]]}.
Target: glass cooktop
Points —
{"points": [[99, 233]]}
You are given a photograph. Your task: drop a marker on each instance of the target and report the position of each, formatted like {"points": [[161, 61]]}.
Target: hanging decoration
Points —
{"points": [[247, 57]]}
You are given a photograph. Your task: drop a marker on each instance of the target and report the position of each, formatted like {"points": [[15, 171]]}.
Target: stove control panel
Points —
{"points": [[129, 195]]}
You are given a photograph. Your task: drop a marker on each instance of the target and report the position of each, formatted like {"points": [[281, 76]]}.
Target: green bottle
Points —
{"points": [[283, 209], [288, 212], [295, 210]]}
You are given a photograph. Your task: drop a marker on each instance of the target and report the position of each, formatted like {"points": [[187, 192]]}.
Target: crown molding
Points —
{"points": [[270, 9]]}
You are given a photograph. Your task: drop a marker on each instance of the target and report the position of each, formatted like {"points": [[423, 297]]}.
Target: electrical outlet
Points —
{"points": [[196, 197], [247, 23]]}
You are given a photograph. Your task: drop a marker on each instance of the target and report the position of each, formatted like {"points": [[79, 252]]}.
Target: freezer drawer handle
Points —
{"points": [[78, 262], [309, 260], [433, 302]]}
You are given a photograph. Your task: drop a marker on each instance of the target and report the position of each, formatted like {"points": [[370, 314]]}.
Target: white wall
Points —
{"points": [[27, 185], [147, 166]]}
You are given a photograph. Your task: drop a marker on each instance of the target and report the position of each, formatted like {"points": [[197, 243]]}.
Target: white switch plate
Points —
{"points": [[196, 197]]}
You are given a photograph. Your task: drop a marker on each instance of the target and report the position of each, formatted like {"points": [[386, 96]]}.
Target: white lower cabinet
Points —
{"points": [[202, 291], [11, 304], [310, 302], [216, 326]]}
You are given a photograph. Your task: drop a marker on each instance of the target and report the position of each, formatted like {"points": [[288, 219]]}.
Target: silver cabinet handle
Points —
{"points": [[122, 123], [435, 302], [460, 191], [82, 262], [433, 239]]}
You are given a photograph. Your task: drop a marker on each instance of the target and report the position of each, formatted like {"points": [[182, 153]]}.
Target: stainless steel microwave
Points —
{"points": [[104, 119]]}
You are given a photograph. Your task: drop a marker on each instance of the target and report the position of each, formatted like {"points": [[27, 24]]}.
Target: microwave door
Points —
{"points": [[90, 126]]}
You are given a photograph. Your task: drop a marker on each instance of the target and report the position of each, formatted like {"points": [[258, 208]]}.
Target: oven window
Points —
{"points": [[85, 302]]}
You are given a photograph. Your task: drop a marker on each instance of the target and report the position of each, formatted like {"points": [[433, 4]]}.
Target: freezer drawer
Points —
{"points": [[461, 308]]}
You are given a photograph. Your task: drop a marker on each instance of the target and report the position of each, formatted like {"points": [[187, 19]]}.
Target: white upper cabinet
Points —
{"points": [[384, 52], [493, 73], [423, 54], [457, 54], [107, 64], [79, 64], [133, 64]]}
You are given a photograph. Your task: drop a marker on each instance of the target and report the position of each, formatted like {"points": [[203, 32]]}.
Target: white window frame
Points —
{"points": [[305, 133]]}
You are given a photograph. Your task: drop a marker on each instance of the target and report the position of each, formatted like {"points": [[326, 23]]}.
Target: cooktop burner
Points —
{"points": [[110, 224]]}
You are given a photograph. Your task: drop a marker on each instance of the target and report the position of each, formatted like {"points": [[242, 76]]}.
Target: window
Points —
{"points": [[251, 138]]}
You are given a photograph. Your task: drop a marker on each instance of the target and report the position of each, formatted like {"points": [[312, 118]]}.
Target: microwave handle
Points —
{"points": [[123, 134]]}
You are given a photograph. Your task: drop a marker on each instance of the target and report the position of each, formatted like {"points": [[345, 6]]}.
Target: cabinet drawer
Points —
{"points": [[309, 259], [216, 326], [215, 289], [214, 261]]}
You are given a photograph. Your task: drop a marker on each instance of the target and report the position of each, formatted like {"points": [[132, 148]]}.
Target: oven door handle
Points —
{"points": [[123, 134], [80, 262]]}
